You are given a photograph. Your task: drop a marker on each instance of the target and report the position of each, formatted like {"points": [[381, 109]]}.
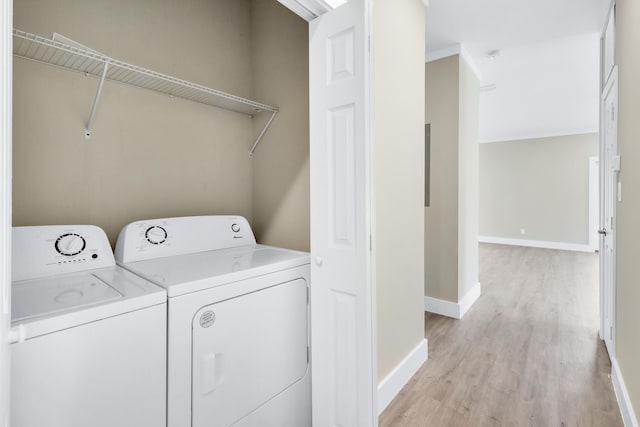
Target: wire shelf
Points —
{"points": [[91, 63]]}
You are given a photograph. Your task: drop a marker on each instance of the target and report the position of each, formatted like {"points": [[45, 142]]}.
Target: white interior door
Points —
{"points": [[610, 166], [342, 293], [6, 82]]}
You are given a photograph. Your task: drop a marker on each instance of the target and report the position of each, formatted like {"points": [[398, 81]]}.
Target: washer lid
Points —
{"points": [[183, 274], [44, 297], [46, 305]]}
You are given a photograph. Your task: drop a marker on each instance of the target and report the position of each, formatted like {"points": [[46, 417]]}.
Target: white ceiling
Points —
{"points": [[545, 80], [482, 26], [543, 89]]}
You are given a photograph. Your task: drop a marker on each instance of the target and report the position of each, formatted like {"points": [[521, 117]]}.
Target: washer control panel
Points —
{"points": [[56, 249], [157, 238], [70, 244]]}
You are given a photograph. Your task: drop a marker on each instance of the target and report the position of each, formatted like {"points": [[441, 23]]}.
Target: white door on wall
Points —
{"points": [[610, 166], [342, 294]]}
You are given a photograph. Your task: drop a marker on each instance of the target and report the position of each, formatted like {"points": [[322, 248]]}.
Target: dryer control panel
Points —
{"points": [[164, 237], [48, 250]]}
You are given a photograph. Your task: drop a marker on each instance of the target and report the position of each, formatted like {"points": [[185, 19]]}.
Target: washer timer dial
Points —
{"points": [[155, 235], [70, 244]]}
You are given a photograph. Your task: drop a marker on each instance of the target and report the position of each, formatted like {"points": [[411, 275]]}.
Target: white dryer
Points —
{"points": [[90, 337], [238, 320]]}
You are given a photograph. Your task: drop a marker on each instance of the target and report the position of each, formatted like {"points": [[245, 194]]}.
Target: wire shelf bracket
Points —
{"points": [[73, 56], [264, 130], [92, 113]]}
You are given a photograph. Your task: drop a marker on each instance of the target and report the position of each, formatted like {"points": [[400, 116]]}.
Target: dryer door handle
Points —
{"points": [[210, 372]]}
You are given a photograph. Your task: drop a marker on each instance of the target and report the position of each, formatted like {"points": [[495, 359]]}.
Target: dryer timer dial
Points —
{"points": [[155, 235]]}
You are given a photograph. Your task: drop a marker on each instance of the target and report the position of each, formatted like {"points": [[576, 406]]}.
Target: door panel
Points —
{"points": [[594, 203], [610, 167], [247, 350], [342, 291]]}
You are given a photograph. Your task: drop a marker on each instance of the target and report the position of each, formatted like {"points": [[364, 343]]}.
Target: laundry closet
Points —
{"points": [[156, 156], [220, 133], [150, 155]]}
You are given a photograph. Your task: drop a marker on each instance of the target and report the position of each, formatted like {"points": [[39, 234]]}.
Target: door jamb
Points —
{"points": [[6, 88]]}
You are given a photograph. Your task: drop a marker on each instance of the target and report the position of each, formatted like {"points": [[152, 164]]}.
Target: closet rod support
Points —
{"points": [[255, 144], [87, 130]]}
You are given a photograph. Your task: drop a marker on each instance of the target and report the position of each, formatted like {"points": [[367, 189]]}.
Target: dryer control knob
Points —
{"points": [[155, 235], [235, 228], [318, 261]]}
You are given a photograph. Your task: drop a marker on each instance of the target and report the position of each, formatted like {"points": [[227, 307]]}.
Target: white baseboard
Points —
{"points": [[536, 244], [626, 409], [469, 299], [442, 307], [391, 385], [452, 309]]}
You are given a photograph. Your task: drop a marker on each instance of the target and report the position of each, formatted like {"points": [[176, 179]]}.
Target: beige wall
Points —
{"points": [[150, 155], [153, 156], [451, 219], [281, 162], [541, 185], [628, 236], [398, 75], [468, 164], [441, 217]]}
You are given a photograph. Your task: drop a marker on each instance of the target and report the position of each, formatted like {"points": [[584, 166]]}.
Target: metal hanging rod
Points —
{"points": [[91, 63]]}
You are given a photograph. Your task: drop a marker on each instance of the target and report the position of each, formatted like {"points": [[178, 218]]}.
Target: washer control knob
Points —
{"points": [[235, 228], [155, 235], [70, 244], [318, 261]]}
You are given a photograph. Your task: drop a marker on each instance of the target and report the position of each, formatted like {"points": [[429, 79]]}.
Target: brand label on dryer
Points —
{"points": [[207, 318]]}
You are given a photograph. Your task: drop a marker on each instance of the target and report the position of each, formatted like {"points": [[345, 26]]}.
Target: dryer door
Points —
{"points": [[246, 350]]}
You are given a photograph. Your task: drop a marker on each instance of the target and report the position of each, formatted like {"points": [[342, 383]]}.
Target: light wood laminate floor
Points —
{"points": [[527, 353]]}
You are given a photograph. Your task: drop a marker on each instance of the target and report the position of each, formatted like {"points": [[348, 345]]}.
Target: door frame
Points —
{"points": [[6, 89], [608, 290], [604, 80]]}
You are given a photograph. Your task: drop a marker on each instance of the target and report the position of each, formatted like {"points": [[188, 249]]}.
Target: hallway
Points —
{"points": [[526, 354]]}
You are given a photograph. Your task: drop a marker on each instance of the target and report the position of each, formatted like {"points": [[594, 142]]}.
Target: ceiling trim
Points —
{"points": [[307, 9], [470, 62], [456, 49], [311, 9], [539, 135], [445, 52]]}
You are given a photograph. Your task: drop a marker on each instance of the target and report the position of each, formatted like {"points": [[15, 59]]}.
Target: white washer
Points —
{"points": [[90, 337], [238, 326]]}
